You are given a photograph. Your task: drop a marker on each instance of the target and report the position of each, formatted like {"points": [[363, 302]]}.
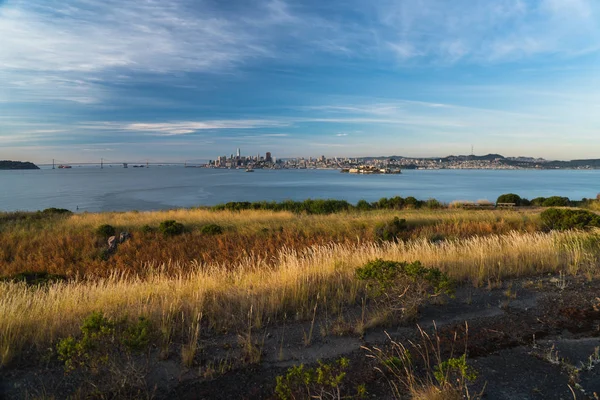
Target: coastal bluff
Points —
{"points": [[7, 164]]}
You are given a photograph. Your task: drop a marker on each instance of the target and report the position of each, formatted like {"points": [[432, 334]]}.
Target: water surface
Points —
{"points": [[154, 188]]}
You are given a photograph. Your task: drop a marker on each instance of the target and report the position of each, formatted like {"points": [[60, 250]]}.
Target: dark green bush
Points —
{"points": [[211, 229], [538, 201], [171, 228], [509, 198], [148, 229], [433, 204], [411, 202], [106, 230], [562, 219], [556, 201], [136, 337], [35, 278], [391, 230], [363, 205], [56, 211]]}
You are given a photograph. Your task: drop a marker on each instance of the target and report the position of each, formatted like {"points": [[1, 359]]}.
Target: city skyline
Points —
{"points": [[82, 80]]}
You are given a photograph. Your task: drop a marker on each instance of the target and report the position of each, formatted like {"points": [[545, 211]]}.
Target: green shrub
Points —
{"points": [[562, 219], [99, 339], [171, 228], [433, 204], [363, 205], [391, 230], [509, 198], [136, 337], [556, 201], [92, 349], [56, 211], [300, 382], [211, 229], [35, 278], [384, 276], [538, 201], [106, 230], [454, 369], [148, 229], [411, 202]]}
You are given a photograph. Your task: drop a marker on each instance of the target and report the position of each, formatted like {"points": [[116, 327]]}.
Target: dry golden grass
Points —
{"points": [[288, 285], [70, 246]]}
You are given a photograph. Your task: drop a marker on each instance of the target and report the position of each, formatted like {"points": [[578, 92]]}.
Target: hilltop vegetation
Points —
{"points": [[7, 164]]}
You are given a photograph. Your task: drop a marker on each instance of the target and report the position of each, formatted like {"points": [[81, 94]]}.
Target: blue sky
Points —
{"points": [[190, 80]]}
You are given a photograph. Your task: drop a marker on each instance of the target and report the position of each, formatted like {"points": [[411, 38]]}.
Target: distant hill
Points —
{"points": [[7, 164]]}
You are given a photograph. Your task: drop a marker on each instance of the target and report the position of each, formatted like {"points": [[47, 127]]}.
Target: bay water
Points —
{"points": [[165, 187]]}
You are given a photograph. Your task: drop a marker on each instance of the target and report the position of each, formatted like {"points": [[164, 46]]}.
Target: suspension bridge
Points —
{"points": [[105, 162]]}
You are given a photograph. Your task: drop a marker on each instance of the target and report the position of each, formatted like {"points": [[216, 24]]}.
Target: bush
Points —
{"points": [[148, 229], [562, 219], [171, 228], [137, 336], [538, 201], [211, 229], [56, 211], [363, 205], [106, 230], [384, 276], [509, 198], [35, 278], [411, 202], [91, 350], [390, 231], [433, 204], [300, 382], [556, 201]]}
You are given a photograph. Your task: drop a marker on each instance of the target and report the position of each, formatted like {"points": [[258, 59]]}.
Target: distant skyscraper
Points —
{"points": [[268, 157], [238, 152]]}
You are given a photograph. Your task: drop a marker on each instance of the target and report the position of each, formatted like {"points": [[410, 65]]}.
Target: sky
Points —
{"points": [[191, 80]]}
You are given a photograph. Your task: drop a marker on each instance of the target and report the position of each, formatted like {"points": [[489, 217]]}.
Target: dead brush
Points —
{"points": [[420, 369]]}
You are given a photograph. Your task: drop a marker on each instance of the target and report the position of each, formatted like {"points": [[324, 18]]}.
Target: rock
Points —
{"points": [[123, 236], [112, 243]]}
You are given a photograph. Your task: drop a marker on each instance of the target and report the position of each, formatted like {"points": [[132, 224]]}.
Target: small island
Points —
{"points": [[7, 164]]}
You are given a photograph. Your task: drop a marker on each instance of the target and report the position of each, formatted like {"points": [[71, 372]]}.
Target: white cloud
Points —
{"points": [[486, 31], [187, 127]]}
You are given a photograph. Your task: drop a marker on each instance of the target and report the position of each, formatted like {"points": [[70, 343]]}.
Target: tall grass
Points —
{"points": [[287, 285], [70, 246]]}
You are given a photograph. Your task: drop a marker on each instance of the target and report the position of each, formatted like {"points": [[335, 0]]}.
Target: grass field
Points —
{"points": [[270, 264]]}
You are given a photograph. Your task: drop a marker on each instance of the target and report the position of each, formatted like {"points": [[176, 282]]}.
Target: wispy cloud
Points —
{"points": [[490, 32], [187, 127]]}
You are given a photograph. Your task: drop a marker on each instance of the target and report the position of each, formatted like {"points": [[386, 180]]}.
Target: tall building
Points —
{"points": [[268, 157], [238, 152]]}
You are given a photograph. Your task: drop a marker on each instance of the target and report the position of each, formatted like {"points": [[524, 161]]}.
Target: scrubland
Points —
{"points": [[264, 268]]}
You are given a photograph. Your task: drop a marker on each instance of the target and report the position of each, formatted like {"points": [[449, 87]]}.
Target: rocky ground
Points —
{"points": [[527, 339]]}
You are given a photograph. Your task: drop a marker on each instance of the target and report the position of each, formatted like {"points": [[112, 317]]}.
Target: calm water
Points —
{"points": [[119, 189]]}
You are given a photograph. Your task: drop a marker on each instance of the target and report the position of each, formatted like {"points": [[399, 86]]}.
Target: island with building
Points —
{"points": [[8, 164]]}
